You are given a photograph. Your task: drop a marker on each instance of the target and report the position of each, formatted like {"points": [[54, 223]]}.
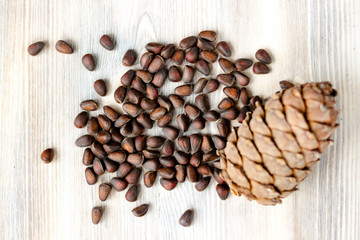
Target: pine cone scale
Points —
{"points": [[276, 166]]}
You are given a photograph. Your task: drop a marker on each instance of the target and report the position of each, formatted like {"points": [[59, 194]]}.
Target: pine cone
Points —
{"points": [[273, 150]]}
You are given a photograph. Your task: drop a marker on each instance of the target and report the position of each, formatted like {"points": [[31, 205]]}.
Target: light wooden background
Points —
{"points": [[39, 97]]}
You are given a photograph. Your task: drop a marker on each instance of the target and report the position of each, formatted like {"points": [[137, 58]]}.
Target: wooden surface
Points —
{"points": [[40, 96]]}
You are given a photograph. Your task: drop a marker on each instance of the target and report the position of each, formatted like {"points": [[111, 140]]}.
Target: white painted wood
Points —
{"points": [[39, 97]]}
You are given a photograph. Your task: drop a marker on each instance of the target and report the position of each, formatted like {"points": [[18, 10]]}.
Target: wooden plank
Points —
{"points": [[39, 97]]}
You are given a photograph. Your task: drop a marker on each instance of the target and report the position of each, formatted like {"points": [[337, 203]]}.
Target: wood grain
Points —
{"points": [[39, 97]]}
